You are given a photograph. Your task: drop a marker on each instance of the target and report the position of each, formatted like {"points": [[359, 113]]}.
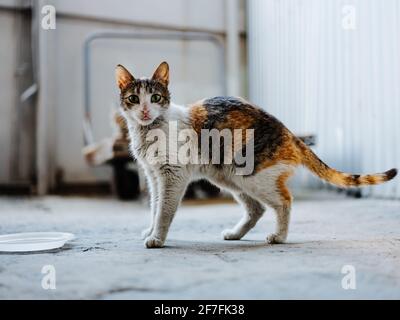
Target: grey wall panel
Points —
{"points": [[194, 75], [194, 69], [342, 84], [7, 92], [205, 14]]}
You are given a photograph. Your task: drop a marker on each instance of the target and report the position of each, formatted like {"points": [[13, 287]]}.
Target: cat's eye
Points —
{"points": [[133, 99], [155, 98]]}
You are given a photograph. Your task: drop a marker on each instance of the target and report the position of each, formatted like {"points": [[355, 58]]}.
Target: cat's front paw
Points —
{"points": [[146, 233], [153, 242], [275, 239], [229, 234]]}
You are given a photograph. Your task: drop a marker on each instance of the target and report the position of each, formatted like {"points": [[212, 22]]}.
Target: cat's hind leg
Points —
{"points": [[253, 212], [253, 208], [282, 206], [270, 188], [282, 226]]}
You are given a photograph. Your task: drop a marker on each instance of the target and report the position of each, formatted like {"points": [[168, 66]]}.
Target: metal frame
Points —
{"points": [[138, 35]]}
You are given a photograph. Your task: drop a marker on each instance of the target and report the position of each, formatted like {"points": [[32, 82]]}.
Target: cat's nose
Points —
{"points": [[145, 114]]}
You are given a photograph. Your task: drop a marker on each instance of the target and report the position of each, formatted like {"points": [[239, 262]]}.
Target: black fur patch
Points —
{"points": [[268, 131], [390, 174], [355, 179]]}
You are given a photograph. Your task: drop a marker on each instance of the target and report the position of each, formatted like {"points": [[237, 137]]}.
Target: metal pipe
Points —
{"points": [[138, 35], [233, 47], [41, 74]]}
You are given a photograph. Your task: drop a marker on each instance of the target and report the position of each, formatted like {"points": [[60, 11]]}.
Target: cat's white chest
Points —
{"points": [[149, 147], [138, 145]]}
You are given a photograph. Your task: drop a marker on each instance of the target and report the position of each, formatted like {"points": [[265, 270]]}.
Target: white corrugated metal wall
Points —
{"points": [[332, 68]]}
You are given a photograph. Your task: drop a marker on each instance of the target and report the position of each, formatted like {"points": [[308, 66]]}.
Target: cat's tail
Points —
{"points": [[341, 179]]}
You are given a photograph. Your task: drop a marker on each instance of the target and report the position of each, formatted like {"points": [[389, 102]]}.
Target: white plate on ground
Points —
{"points": [[33, 241]]}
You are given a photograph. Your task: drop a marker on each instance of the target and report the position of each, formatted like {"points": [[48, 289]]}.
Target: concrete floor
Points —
{"points": [[108, 260]]}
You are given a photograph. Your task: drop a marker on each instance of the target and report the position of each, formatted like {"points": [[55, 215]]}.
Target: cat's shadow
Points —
{"points": [[243, 245], [221, 247]]}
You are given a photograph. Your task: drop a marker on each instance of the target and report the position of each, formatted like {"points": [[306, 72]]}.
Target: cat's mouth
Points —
{"points": [[145, 120]]}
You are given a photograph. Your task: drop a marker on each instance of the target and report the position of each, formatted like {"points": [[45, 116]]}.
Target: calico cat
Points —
{"points": [[275, 153]]}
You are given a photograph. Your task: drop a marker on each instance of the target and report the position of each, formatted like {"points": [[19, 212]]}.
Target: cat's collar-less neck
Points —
{"points": [[135, 126]]}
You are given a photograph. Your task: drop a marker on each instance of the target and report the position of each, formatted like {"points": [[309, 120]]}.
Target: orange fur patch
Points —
{"points": [[369, 179], [236, 120], [287, 153], [198, 115], [282, 188]]}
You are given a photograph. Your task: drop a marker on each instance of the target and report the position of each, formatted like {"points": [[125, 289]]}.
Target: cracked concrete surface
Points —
{"points": [[108, 260]]}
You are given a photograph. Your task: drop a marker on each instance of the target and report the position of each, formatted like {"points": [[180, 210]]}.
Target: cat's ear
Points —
{"points": [[123, 77], [162, 73]]}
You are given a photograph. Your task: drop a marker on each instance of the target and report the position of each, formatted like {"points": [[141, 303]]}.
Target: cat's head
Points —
{"points": [[143, 100]]}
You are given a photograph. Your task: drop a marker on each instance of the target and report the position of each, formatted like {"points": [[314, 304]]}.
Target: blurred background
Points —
{"points": [[327, 69]]}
